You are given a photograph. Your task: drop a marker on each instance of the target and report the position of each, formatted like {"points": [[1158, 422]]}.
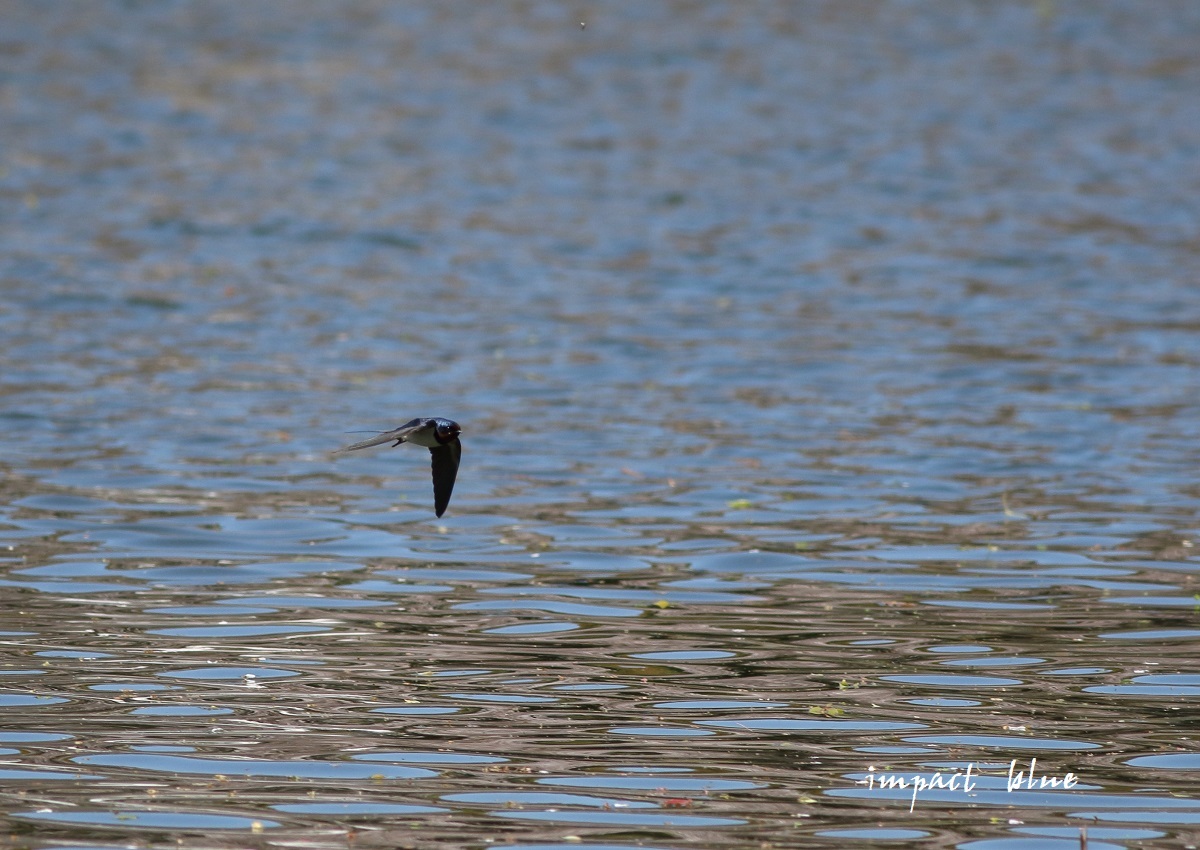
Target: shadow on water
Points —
{"points": [[829, 391]]}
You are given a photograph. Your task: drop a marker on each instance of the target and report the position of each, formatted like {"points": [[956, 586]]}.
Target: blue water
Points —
{"points": [[828, 380]]}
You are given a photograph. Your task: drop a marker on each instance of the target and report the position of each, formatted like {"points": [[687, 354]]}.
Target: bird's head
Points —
{"points": [[446, 430]]}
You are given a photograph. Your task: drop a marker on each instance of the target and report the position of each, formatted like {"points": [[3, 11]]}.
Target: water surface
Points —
{"points": [[828, 374]]}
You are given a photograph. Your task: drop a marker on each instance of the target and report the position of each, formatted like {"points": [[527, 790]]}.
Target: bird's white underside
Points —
{"points": [[425, 438]]}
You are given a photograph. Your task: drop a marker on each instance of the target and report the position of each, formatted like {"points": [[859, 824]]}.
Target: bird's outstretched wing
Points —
{"points": [[400, 435], [445, 470]]}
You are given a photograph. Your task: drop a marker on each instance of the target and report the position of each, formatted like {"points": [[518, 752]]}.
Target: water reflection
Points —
{"points": [[830, 379]]}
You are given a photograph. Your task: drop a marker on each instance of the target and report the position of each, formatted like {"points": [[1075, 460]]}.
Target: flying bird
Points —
{"points": [[440, 436]]}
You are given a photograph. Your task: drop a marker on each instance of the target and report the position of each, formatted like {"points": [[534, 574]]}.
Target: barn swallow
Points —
{"points": [[440, 436]]}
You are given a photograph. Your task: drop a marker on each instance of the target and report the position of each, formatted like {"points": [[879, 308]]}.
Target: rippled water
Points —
{"points": [[829, 381]]}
